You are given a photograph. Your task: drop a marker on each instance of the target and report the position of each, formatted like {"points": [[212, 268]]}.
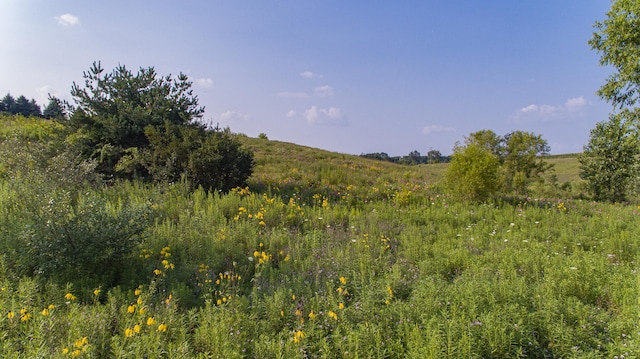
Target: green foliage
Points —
{"points": [[609, 162], [617, 40], [473, 173], [113, 110], [518, 163]]}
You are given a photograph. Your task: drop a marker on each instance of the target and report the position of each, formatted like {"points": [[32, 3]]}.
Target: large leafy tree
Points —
{"points": [[523, 159], [609, 160], [520, 156]]}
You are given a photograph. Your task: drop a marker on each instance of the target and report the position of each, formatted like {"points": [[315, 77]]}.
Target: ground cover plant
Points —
{"points": [[321, 256]]}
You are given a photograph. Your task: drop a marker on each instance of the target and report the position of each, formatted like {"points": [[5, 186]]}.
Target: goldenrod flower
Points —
{"points": [[162, 328]]}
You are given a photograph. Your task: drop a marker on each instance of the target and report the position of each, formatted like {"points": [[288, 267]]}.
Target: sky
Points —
{"points": [[346, 76]]}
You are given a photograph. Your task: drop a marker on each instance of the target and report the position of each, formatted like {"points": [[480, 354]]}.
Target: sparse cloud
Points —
{"points": [[43, 94], [230, 117], [323, 91], [314, 115], [67, 20], [572, 108], [203, 82], [293, 94], [310, 75], [427, 130]]}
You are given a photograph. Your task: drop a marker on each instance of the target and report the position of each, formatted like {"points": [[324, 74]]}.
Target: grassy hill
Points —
{"points": [[290, 166]]}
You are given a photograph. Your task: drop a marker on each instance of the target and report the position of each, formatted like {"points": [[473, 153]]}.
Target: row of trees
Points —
{"points": [[23, 106], [413, 158]]}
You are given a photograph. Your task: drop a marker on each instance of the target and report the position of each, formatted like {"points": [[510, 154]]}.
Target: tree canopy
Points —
{"points": [[610, 159], [141, 125]]}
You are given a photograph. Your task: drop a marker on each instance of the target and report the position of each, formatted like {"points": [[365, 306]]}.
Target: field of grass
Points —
{"points": [[324, 255]]}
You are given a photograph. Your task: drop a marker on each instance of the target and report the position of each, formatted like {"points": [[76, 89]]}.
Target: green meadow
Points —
{"points": [[321, 255]]}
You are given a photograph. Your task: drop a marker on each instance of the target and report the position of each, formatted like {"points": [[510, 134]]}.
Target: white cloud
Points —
{"points": [[323, 91], [323, 116], [230, 116], [310, 75], [572, 108], [204, 82], [427, 130], [292, 114], [67, 20], [293, 94], [314, 115]]}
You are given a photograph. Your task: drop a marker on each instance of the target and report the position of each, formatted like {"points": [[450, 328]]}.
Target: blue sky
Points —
{"points": [[347, 76]]}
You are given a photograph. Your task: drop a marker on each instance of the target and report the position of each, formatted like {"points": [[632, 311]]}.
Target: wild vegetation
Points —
{"points": [[322, 255], [130, 230]]}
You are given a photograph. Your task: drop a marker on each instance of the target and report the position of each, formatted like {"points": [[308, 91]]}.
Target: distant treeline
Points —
{"points": [[25, 107], [413, 158]]}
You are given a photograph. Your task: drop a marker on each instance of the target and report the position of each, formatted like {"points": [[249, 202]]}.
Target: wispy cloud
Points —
{"points": [[427, 130], [231, 117], [68, 20], [203, 82], [310, 75], [293, 94], [314, 115], [323, 91], [572, 108]]}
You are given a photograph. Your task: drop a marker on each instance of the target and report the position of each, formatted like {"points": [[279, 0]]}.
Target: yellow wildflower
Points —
{"points": [[150, 321], [312, 315], [131, 309], [81, 342], [136, 328], [162, 328], [65, 351], [341, 305], [76, 353], [128, 332], [333, 315], [298, 335], [96, 292], [138, 291], [11, 314], [45, 312], [343, 280], [69, 297]]}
